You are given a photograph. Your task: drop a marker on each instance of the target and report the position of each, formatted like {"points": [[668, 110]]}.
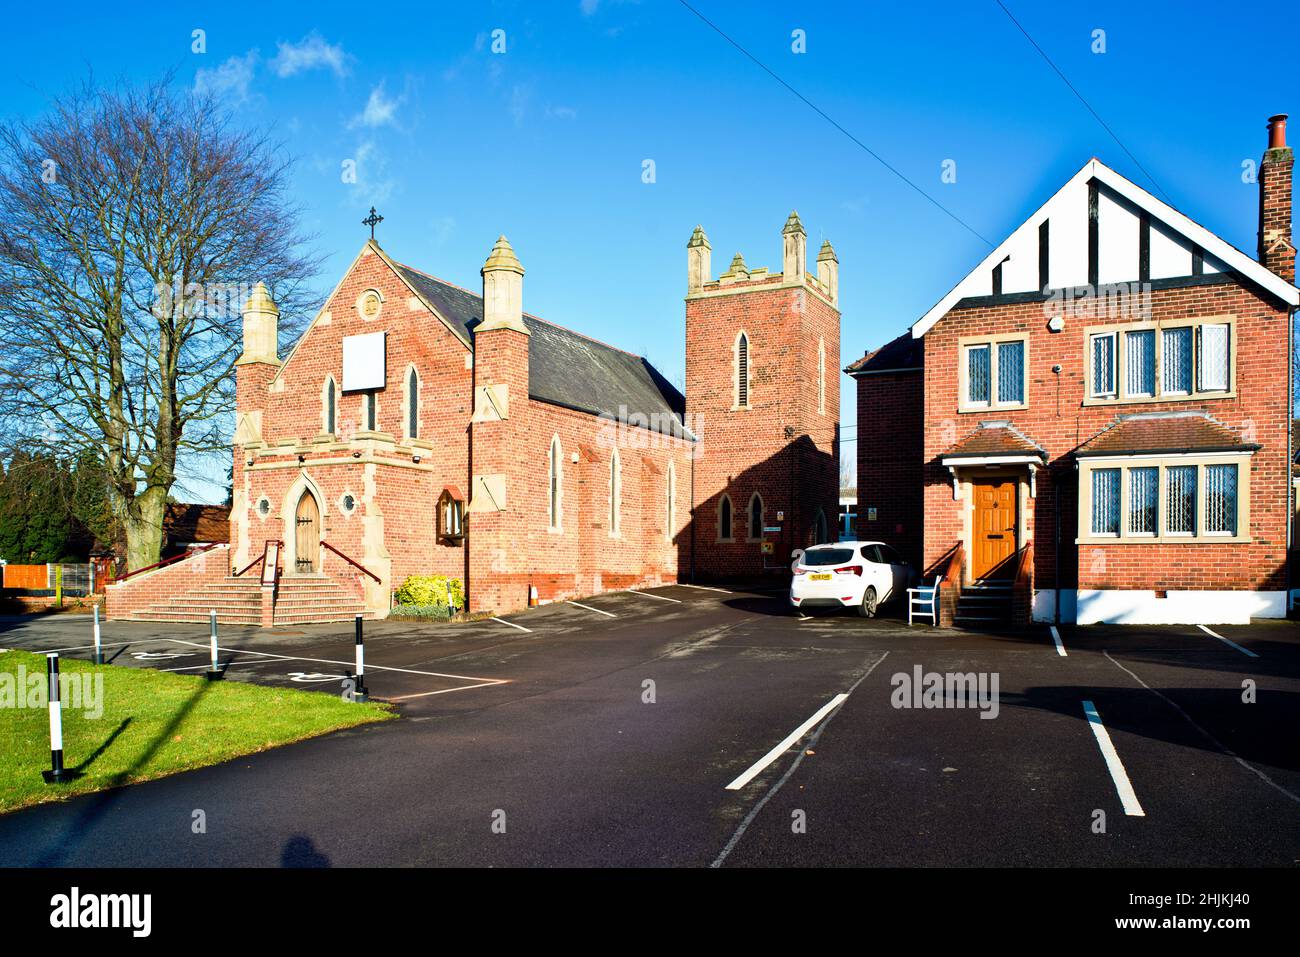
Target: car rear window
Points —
{"points": [[827, 556]]}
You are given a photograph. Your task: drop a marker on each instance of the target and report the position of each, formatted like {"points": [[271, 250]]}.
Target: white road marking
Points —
{"points": [[1113, 764], [607, 614], [757, 767], [794, 766], [705, 588], [1205, 734], [426, 694], [1226, 641], [513, 625], [331, 661], [1056, 637], [647, 594]]}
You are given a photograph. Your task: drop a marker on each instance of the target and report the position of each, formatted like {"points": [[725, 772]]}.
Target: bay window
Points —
{"points": [[1190, 498]]}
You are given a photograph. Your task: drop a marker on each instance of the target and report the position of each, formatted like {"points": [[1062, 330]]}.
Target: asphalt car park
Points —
{"points": [[709, 726]]}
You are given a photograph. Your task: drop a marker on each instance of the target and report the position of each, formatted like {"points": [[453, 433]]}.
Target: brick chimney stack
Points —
{"points": [[1276, 249]]}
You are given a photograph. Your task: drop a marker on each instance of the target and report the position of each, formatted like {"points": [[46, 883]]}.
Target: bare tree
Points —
{"points": [[134, 222]]}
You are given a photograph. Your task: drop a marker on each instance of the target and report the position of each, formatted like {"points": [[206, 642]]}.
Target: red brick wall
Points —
{"points": [[782, 447], [891, 474], [385, 482], [1057, 419], [127, 597]]}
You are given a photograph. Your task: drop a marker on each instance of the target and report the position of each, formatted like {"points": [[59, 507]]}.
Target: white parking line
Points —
{"points": [[757, 767], [1205, 734], [513, 625], [1113, 764], [607, 614], [705, 588], [1233, 644], [1056, 637], [646, 594], [330, 661]]}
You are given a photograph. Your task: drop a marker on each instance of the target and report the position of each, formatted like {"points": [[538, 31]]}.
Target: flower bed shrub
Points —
{"points": [[430, 591]]}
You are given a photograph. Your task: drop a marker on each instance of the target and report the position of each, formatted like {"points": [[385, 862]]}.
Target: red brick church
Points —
{"points": [[418, 428]]}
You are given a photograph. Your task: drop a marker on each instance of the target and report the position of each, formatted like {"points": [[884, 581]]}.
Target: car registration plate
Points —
{"points": [[823, 577]]}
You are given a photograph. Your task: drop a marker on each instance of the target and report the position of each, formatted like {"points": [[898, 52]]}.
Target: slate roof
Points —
{"points": [[566, 368], [895, 355], [994, 438], [1164, 432]]}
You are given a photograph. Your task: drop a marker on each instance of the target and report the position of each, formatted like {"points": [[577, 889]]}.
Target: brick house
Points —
{"points": [[1093, 425], [419, 428]]}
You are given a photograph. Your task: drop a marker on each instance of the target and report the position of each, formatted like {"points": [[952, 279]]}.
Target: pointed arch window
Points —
{"points": [[756, 516], [670, 503], [724, 518], [819, 528], [615, 493], [412, 404], [555, 480], [370, 411], [821, 376], [329, 406], [742, 371]]}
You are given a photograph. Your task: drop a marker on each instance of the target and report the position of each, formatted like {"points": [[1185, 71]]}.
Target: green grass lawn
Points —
{"points": [[154, 724]]}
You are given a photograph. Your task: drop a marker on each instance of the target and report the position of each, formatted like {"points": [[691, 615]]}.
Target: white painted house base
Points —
{"points": [[1087, 606]]}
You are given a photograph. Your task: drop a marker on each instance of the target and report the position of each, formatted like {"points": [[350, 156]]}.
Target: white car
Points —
{"points": [[861, 575]]}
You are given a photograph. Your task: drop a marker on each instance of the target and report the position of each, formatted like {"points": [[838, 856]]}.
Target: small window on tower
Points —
{"points": [[742, 371], [413, 405]]}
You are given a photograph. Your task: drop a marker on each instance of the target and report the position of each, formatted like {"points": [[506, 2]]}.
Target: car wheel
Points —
{"points": [[869, 602]]}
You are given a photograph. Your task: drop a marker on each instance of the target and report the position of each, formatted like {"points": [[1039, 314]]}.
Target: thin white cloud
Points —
{"points": [[520, 96], [561, 112], [374, 183], [588, 7], [312, 52], [230, 80], [379, 110]]}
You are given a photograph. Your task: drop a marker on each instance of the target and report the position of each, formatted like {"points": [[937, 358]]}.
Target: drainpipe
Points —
{"points": [[1056, 552], [695, 451]]}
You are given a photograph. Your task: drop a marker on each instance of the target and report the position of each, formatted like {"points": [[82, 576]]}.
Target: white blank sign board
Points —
{"points": [[364, 362]]}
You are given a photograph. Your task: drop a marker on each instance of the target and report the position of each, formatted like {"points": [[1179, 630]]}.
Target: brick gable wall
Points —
{"points": [[1057, 419]]}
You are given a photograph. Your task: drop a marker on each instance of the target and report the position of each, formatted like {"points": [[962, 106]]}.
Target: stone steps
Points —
{"points": [[238, 601]]}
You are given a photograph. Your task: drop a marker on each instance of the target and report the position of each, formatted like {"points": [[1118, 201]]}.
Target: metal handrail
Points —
{"points": [[189, 553], [351, 562], [260, 558]]}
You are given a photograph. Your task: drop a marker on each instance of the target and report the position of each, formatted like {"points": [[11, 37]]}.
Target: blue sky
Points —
{"points": [[545, 142]]}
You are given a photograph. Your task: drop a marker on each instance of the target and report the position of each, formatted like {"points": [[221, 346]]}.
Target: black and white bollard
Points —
{"points": [[361, 693], [451, 602], [57, 773], [99, 648], [214, 673]]}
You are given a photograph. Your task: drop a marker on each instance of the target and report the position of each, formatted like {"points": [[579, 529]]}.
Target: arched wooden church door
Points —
{"points": [[307, 534]]}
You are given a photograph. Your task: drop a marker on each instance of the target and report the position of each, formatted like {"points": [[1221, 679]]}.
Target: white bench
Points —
{"points": [[923, 602]]}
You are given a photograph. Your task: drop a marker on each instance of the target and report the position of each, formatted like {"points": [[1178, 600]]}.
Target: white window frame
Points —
{"points": [[1113, 391], [964, 402]]}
